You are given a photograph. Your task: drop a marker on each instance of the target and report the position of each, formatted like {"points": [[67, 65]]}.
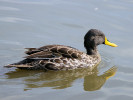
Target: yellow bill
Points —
{"points": [[109, 43]]}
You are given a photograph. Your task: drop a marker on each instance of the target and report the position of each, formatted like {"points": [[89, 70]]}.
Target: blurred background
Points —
{"points": [[34, 23]]}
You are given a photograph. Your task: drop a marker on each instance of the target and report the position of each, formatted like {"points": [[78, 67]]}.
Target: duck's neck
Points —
{"points": [[91, 51]]}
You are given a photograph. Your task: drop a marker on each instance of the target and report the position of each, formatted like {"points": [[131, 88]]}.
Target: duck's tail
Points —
{"points": [[21, 64], [18, 66]]}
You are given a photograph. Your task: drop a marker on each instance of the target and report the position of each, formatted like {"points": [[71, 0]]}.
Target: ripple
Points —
{"points": [[10, 42], [116, 7], [97, 96], [49, 2], [126, 70], [118, 84], [72, 25], [9, 8], [120, 97], [12, 19]]}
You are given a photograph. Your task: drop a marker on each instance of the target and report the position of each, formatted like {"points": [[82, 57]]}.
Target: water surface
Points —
{"points": [[34, 23]]}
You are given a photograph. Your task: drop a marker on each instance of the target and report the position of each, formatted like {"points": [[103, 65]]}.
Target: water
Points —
{"points": [[34, 23]]}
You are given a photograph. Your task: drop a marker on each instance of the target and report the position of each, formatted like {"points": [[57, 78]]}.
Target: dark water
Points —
{"points": [[34, 23]]}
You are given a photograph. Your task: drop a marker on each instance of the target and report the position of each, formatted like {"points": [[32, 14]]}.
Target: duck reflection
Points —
{"points": [[62, 79]]}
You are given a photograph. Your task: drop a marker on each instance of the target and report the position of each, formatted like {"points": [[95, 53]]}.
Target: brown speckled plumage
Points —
{"points": [[60, 57], [56, 57]]}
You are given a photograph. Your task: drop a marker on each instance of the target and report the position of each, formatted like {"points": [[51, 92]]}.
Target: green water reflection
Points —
{"points": [[62, 79]]}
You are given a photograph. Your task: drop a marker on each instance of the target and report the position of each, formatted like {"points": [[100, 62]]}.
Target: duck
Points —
{"points": [[61, 57]]}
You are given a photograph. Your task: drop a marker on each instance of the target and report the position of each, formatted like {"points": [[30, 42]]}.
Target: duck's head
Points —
{"points": [[93, 38]]}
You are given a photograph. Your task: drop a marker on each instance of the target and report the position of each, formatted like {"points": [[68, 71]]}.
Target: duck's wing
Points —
{"points": [[53, 51], [35, 50]]}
